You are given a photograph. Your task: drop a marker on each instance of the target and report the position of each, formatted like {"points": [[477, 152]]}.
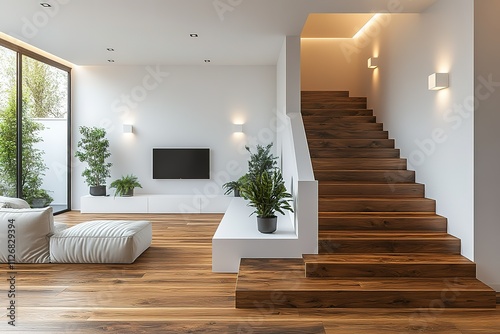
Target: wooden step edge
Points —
{"points": [[341, 199], [384, 235], [380, 214], [360, 284], [386, 258]]}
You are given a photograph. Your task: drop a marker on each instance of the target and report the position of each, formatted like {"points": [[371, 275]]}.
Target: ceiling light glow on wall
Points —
{"points": [[373, 62], [128, 128], [438, 81]]}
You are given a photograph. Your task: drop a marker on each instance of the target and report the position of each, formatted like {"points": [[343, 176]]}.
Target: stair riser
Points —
{"points": [[338, 103], [388, 177], [355, 153], [374, 190], [327, 120], [438, 224], [367, 205], [343, 127], [319, 95], [337, 112], [351, 143], [389, 246], [443, 298], [358, 164], [346, 99], [322, 270], [342, 134]]}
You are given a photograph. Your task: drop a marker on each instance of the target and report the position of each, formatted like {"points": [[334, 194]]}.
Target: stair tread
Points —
{"points": [[374, 199], [378, 235], [387, 258], [335, 110], [355, 160], [286, 275], [361, 183], [381, 214]]}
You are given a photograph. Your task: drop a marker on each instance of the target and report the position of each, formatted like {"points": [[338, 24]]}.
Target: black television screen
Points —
{"points": [[181, 163]]}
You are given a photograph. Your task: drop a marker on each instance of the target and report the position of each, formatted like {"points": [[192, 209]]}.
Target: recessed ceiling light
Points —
{"points": [[207, 60], [110, 49], [111, 60], [45, 4], [193, 35]]}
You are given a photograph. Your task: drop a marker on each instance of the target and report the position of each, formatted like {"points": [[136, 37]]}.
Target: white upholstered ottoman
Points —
{"points": [[101, 241]]}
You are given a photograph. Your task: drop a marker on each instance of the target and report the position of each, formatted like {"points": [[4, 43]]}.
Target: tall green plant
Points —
{"points": [[33, 167], [94, 150], [260, 161]]}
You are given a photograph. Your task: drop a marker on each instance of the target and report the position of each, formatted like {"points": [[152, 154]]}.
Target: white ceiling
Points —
{"points": [[231, 32]]}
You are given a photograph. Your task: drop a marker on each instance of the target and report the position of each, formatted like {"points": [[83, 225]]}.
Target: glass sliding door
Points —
{"points": [[34, 128], [8, 123], [44, 133]]}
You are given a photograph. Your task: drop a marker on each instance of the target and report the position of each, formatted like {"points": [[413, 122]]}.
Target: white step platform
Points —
{"points": [[238, 237]]}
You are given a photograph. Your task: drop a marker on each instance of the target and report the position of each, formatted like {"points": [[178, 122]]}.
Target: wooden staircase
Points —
{"points": [[381, 243]]}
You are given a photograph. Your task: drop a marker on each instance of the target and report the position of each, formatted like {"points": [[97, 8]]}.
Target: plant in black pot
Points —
{"points": [[235, 186], [39, 198], [125, 185], [266, 192], [265, 188], [93, 149]]}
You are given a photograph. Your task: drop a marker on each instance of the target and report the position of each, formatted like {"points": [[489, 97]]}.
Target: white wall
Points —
{"points": [[175, 106], [433, 129], [330, 64], [486, 139]]}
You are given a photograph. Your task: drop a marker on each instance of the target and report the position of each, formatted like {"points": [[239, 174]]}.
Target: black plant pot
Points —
{"points": [[267, 225], [128, 193], [98, 190], [236, 192], [38, 202]]}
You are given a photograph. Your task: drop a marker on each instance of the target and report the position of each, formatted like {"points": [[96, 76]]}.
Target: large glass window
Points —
{"points": [[34, 156], [8, 123]]}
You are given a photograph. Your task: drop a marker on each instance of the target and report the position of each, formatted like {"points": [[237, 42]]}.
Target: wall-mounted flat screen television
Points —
{"points": [[181, 163]]}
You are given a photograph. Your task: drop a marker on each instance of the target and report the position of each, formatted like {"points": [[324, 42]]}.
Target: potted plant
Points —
{"points": [[125, 185], [39, 198], [235, 186], [94, 150], [266, 192], [265, 188]]}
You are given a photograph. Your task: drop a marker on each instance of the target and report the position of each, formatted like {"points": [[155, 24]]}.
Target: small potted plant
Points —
{"points": [[125, 185], [266, 192], [39, 198], [94, 150], [235, 186]]}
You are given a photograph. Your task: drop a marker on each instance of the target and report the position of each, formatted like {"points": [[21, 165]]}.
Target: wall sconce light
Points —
{"points": [[238, 128], [438, 81], [373, 62], [128, 128]]}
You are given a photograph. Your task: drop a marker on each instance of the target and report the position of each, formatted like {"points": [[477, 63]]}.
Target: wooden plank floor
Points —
{"points": [[171, 289]]}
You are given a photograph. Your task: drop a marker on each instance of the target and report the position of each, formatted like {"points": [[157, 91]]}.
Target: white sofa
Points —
{"points": [[31, 236]]}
